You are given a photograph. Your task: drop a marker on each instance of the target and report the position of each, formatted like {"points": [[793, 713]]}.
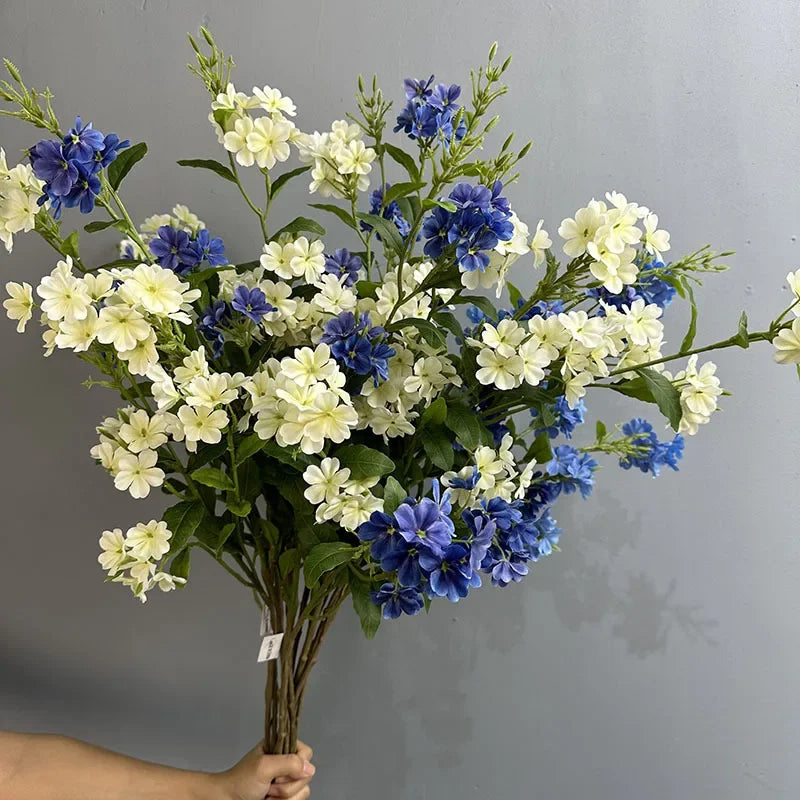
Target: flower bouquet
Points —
{"points": [[354, 416]]}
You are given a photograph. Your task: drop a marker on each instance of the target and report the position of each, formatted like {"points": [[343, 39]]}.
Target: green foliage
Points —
{"points": [[326, 557], [364, 462], [300, 225], [343, 215], [249, 446], [393, 495], [403, 159], [389, 234], [368, 613], [742, 337], [688, 340], [437, 442], [463, 422], [209, 164], [182, 519], [213, 477], [433, 335], [124, 163], [181, 564], [282, 180]]}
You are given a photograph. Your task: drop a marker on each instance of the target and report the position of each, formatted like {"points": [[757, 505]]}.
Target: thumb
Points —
{"points": [[290, 766]]}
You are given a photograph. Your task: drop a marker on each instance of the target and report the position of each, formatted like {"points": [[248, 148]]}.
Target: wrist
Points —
{"points": [[205, 786]]}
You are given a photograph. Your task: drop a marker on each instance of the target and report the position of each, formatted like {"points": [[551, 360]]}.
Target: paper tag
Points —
{"points": [[270, 647], [266, 623]]}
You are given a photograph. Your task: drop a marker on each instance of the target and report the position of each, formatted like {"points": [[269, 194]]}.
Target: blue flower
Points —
{"points": [[444, 97], [425, 123], [452, 576], [549, 534], [354, 352], [251, 302], [465, 195], [381, 531], [435, 229], [110, 150], [575, 469], [655, 454], [82, 142], [391, 212], [566, 418], [356, 345], [547, 308], [505, 568], [397, 600], [83, 191], [422, 523], [173, 250], [482, 530], [419, 90], [208, 249], [212, 322], [343, 265], [340, 327], [53, 167]]}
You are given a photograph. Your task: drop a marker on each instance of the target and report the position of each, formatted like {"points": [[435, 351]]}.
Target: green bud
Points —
{"points": [[506, 64], [507, 143], [492, 51], [524, 151], [193, 43], [361, 84], [491, 123], [207, 36], [12, 71]]}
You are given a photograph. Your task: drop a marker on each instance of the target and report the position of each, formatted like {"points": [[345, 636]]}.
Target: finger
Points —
{"points": [[288, 790], [292, 766], [304, 751]]}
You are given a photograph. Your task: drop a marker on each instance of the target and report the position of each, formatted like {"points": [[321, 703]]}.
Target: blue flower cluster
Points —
{"points": [[358, 345], [391, 212], [70, 167], [566, 418], [219, 316], [482, 219], [174, 249], [344, 265], [574, 470], [648, 287], [655, 454], [432, 557], [431, 112]]}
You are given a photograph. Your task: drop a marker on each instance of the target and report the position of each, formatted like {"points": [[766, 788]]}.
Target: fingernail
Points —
{"points": [[309, 768]]}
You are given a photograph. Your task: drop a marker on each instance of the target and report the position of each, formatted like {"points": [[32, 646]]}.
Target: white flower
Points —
{"points": [[534, 358], [231, 100], [575, 387], [114, 555], [167, 582], [507, 332], [325, 481], [19, 305], [549, 333], [325, 419], [143, 356], [429, 376], [279, 295], [137, 473], [194, 366], [334, 297], [64, 296], [163, 389], [309, 366], [268, 141], [306, 259], [98, 284], [143, 432], [357, 510], [539, 244], [273, 101], [78, 334], [655, 241], [641, 322], [354, 157], [614, 269], [235, 141], [502, 367], [702, 387], [159, 291], [583, 328], [579, 231], [108, 453], [122, 326], [211, 391], [149, 541], [202, 424], [277, 258], [787, 344], [793, 279], [191, 222]]}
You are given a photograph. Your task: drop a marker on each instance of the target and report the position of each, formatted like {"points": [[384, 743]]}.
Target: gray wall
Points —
{"points": [[657, 656]]}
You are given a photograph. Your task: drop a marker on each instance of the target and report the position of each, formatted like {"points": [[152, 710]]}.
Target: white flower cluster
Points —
{"points": [[20, 191], [133, 559], [699, 390], [337, 497], [787, 342], [607, 234]]}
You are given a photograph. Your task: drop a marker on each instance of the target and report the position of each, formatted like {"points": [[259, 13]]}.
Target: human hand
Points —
{"points": [[258, 776]]}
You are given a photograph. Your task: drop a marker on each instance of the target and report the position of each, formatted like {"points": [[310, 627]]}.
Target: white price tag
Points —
{"points": [[270, 647]]}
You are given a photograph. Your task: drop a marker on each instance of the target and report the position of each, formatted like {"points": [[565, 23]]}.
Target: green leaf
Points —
{"points": [[343, 215], [289, 562], [438, 445], [540, 450], [237, 507], [483, 303], [464, 424], [432, 334], [224, 534], [390, 236], [435, 413], [364, 462], [250, 483], [117, 263], [368, 613], [298, 225], [398, 190], [393, 495], [741, 338], [295, 458], [514, 294], [249, 447], [124, 162], [403, 159], [101, 225], [600, 431], [688, 340], [209, 164], [182, 519], [206, 453], [367, 288], [447, 205], [181, 564], [447, 320], [325, 557], [282, 180], [213, 477], [70, 246], [664, 395]]}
